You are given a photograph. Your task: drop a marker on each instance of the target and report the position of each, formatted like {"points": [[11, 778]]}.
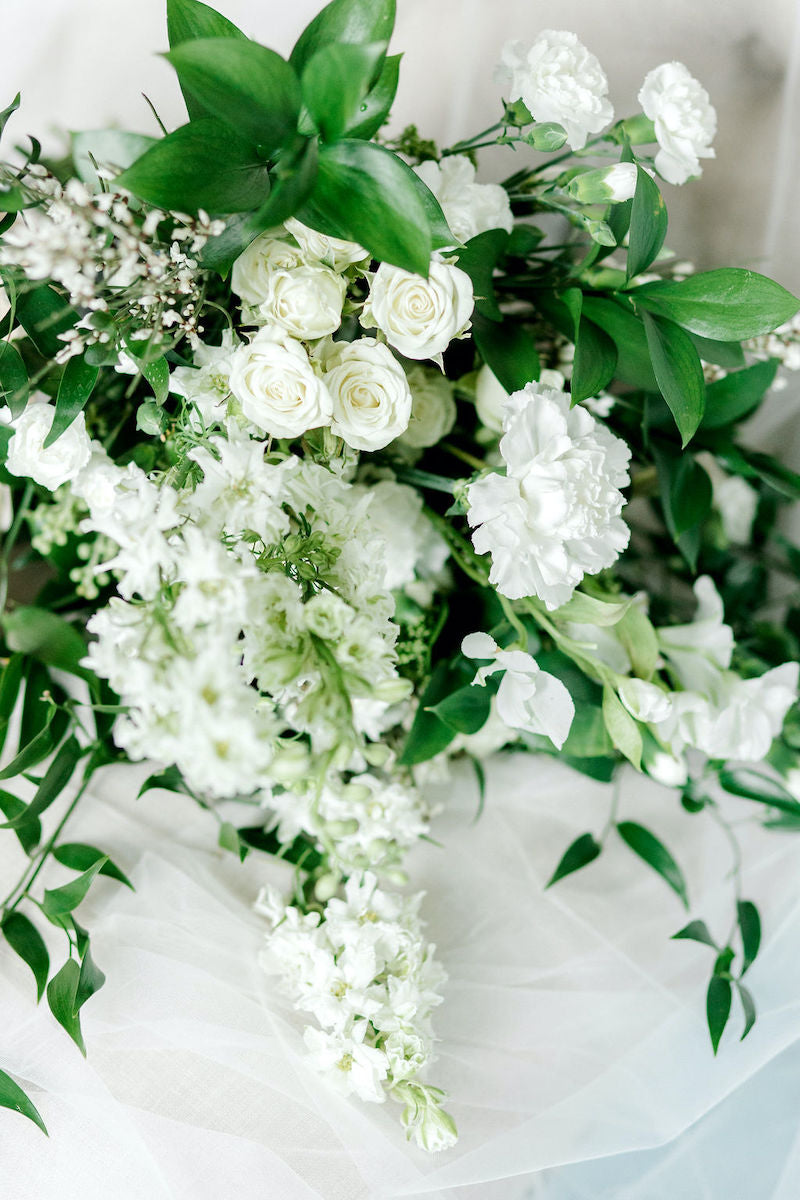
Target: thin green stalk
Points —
{"points": [[24, 885]]}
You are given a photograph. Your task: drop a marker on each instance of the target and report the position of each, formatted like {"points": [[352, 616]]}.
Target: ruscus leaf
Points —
{"points": [[678, 372], [13, 1097], [62, 993], [584, 850], [350, 22], [79, 857], [74, 390], [25, 940], [718, 1008], [58, 902], [655, 854], [729, 304], [750, 928], [696, 931], [648, 226]]}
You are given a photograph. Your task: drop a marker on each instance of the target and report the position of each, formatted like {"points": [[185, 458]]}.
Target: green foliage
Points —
{"points": [[465, 710], [678, 372], [656, 855], [509, 349], [736, 395], [627, 332], [622, 728], [43, 314], [595, 361], [13, 379], [377, 104], [187, 20], [59, 902], [752, 785], [335, 82], [718, 1007], [696, 931], [429, 735], [749, 923], [25, 940], [8, 112], [13, 1097], [46, 636], [479, 259], [74, 390], [62, 997], [580, 853], [648, 224], [56, 778], [730, 304], [111, 147], [79, 857], [349, 22]]}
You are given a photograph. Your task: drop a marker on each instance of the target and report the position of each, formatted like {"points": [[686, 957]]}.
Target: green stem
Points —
{"points": [[24, 885], [468, 143], [513, 620], [465, 457]]}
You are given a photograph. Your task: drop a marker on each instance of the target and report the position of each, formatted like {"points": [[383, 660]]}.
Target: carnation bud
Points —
{"points": [[391, 691], [377, 754], [607, 185]]}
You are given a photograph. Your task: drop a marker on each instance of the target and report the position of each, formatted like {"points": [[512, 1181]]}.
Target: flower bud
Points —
{"points": [[607, 185], [326, 887]]}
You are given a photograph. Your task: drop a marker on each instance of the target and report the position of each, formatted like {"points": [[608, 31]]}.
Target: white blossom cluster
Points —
{"points": [[109, 261], [364, 971]]}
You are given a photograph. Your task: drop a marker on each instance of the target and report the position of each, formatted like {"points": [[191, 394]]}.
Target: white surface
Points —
{"points": [[572, 1030]]}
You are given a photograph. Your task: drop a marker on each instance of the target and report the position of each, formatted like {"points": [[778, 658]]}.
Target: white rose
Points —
{"points": [[252, 269], [277, 387], [370, 393], [470, 208], [58, 463], [684, 118], [317, 247], [433, 409], [558, 80], [420, 317], [305, 301]]}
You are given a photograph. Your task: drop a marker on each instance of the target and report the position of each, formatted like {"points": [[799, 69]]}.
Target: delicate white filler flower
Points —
{"points": [[558, 80], [469, 207], [555, 515], [684, 118], [528, 698], [277, 387], [420, 317]]}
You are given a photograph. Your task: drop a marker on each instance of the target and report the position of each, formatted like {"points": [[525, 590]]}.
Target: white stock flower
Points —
{"points": [[412, 544], [433, 409], [558, 80], [251, 272], [318, 247], [306, 301], [371, 399], [350, 1066], [684, 118], [555, 515], [528, 698], [419, 317], [278, 388], [57, 464], [469, 207], [207, 383]]}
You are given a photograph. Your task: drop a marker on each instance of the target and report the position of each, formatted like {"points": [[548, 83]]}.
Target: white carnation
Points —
{"points": [[370, 393], [470, 208], [306, 301], [318, 247], [684, 118], [558, 80], [277, 387], [413, 546], [433, 409], [419, 317], [554, 517], [57, 464], [252, 270]]}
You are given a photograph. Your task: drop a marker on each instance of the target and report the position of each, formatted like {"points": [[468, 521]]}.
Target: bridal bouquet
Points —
{"points": [[335, 463]]}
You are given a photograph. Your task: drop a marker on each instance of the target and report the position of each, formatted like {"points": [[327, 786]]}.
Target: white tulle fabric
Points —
{"points": [[572, 1037]]}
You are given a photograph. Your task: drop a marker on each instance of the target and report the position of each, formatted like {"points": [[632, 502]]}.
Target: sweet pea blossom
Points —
{"points": [[528, 698], [555, 515], [684, 118], [469, 207], [558, 79]]}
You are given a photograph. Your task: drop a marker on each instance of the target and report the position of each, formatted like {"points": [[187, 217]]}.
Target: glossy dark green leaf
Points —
{"points": [[204, 164], [750, 929], [44, 314], [465, 710], [353, 22], [595, 361], [648, 226], [7, 112], [748, 1008], [335, 83], [301, 852], [62, 993], [718, 1008], [366, 194], [29, 830], [737, 394], [627, 332], [622, 728], [248, 87], [580, 853], [696, 931], [46, 636], [55, 779], [116, 148], [25, 940], [58, 902], [752, 785], [479, 259], [509, 350], [686, 492], [655, 854], [13, 379], [678, 372], [79, 857], [428, 735], [33, 752], [725, 354], [778, 476], [187, 20], [74, 391], [170, 780], [90, 980], [13, 1097], [730, 304], [377, 104]]}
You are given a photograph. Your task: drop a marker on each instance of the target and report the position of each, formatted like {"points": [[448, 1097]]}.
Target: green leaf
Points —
{"points": [[107, 147], [428, 735], [588, 736], [685, 489], [580, 853], [752, 785], [13, 1097], [170, 780], [748, 1007], [595, 361], [640, 641], [45, 636], [655, 854], [74, 390], [750, 929], [90, 980], [678, 372], [509, 350], [377, 104], [718, 1008], [189, 19], [725, 354], [622, 729], [62, 993], [201, 165], [478, 259], [366, 194], [229, 839], [737, 394], [250, 88], [28, 831], [648, 226], [301, 851], [79, 857], [25, 940], [13, 379], [465, 710], [696, 931], [730, 304], [10, 683], [627, 332], [33, 752], [44, 315], [589, 610], [352, 22], [335, 82], [58, 902], [56, 778], [4, 116]]}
